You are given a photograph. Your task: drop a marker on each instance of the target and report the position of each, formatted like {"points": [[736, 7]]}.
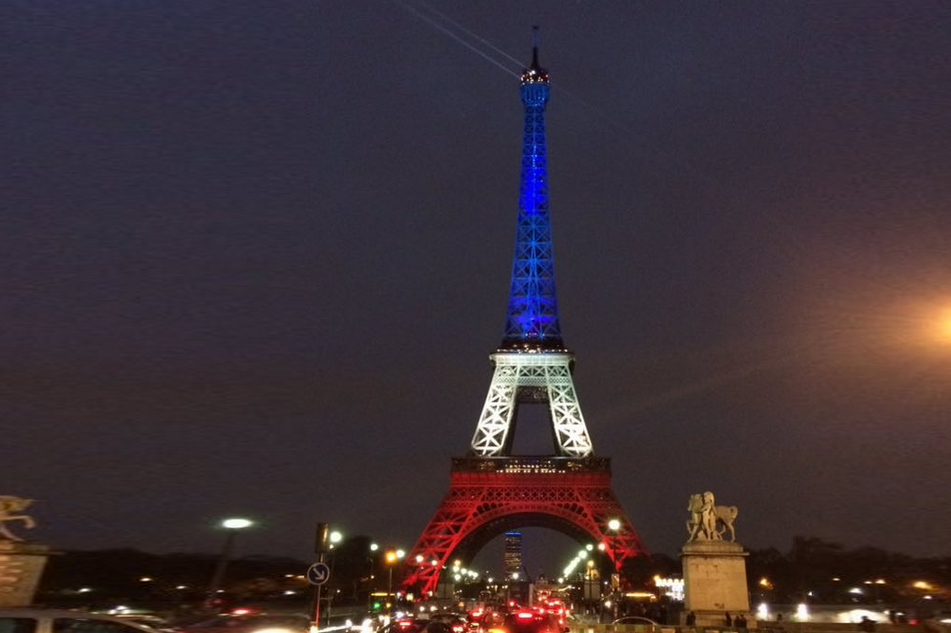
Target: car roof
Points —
{"points": [[39, 612]]}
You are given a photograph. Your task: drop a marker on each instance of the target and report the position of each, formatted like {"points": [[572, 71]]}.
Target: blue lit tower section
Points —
{"points": [[532, 364], [533, 304]]}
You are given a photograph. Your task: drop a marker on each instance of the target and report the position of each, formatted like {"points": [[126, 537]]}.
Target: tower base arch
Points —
{"points": [[488, 496]]}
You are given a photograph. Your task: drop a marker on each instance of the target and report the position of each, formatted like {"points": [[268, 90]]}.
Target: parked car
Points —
{"points": [[30, 620]]}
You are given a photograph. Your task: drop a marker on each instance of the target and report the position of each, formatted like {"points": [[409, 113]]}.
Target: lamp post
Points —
{"points": [[614, 526], [334, 537], [391, 557], [232, 527]]}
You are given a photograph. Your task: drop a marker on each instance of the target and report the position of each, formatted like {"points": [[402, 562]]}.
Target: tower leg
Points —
{"points": [[489, 496], [548, 374]]}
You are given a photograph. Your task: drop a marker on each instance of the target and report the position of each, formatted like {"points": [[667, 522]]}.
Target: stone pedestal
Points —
{"points": [[715, 581], [21, 565]]}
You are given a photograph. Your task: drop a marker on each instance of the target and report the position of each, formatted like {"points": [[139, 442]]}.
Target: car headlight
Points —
{"points": [[274, 630]]}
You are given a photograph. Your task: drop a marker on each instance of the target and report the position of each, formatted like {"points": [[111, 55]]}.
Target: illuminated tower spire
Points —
{"points": [[532, 364], [533, 305]]}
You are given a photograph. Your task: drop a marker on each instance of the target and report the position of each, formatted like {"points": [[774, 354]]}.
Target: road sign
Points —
{"points": [[318, 573]]}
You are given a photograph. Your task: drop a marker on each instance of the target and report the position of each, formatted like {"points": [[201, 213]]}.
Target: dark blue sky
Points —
{"points": [[255, 259]]}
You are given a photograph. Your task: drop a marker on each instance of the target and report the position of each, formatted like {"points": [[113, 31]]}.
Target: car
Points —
{"points": [[635, 619], [414, 625], [256, 623], [483, 619], [148, 619], [456, 621], [528, 621], [32, 620]]}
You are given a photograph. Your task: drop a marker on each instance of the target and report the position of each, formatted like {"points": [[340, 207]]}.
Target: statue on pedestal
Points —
{"points": [[708, 521], [714, 568], [21, 563], [9, 506]]}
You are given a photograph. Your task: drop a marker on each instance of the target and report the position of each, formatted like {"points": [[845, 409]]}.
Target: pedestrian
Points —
{"points": [[729, 619], [691, 619]]}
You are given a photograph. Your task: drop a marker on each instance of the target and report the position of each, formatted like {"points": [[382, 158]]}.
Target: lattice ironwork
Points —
{"points": [[573, 496], [533, 304], [491, 491], [541, 377]]}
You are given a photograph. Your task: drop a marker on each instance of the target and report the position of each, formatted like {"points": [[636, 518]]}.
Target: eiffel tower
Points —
{"points": [[492, 491]]}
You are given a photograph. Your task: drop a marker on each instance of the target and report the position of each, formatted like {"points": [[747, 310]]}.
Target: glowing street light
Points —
{"points": [[392, 556], [233, 526], [614, 526]]}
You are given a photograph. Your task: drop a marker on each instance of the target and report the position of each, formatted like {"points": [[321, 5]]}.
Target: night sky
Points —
{"points": [[256, 255]]}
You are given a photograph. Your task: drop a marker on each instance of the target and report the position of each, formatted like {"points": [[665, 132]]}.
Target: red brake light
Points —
{"points": [[525, 615]]}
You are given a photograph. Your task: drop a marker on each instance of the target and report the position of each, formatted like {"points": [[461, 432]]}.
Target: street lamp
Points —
{"points": [[233, 526], [391, 557], [614, 525]]}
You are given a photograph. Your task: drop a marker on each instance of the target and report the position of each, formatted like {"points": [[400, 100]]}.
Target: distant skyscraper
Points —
{"points": [[513, 554]]}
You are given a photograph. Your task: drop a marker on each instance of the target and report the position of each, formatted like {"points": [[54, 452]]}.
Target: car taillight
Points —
{"points": [[525, 615]]}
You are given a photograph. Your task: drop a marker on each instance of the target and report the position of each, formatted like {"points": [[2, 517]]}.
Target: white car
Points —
{"points": [[27, 620]]}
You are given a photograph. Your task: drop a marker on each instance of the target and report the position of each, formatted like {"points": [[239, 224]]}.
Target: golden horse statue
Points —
{"points": [[9, 506]]}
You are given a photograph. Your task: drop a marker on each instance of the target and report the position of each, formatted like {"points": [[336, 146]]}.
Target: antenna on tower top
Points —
{"points": [[535, 47], [535, 73]]}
